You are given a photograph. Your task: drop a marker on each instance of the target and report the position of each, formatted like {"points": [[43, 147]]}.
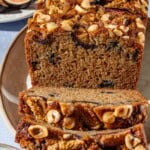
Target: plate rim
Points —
{"points": [[17, 19], [3, 113]]}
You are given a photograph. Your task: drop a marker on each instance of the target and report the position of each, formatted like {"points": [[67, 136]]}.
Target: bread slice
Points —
{"points": [[96, 47], [32, 136], [84, 109]]}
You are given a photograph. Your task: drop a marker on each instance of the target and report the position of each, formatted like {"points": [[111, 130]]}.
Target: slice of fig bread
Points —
{"points": [[32, 135], [84, 109]]}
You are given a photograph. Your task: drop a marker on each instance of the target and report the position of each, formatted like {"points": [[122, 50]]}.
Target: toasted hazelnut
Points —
{"points": [[47, 3], [144, 109], [68, 123], [141, 37], [129, 141], [80, 10], [136, 141], [29, 30], [53, 9], [66, 109], [53, 147], [67, 136], [108, 117], [92, 28], [38, 131], [124, 28], [140, 147], [85, 4], [118, 32], [39, 1], [137, 4], [123, 111], [62, 1], [105, 17], [139, 23], [42, 26], [67, 25], [95, 127], [111, 26], [125, 37], [51, 26], [43, 18], [144, 2], [70, 144], [53, 116], [36, 13]]}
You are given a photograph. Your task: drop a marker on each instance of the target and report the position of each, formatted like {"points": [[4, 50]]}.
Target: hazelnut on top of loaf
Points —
{"points": [[84, 109], [110, 22]]}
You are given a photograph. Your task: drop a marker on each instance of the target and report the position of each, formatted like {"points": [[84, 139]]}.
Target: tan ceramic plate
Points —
{"points": [[14, 79]]}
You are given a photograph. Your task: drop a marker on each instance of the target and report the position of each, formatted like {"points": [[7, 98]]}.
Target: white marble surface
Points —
{"points": [[7, 34]]}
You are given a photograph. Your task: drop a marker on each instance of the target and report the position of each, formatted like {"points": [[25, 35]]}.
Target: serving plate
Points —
{"points": [[16, 15], [14, 78]]}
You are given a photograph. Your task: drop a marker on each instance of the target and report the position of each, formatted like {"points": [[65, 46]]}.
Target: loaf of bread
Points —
{"points": [[77, 43], [32, 135], [84, 109]]}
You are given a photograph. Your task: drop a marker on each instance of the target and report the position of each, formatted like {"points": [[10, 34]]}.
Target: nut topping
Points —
{"points": [[129, 141], [140, 147], [95, 127], [69, 123], [67, 136], [124, 111], [141, 37], [132, 142], [108, 117], [47, 3], [51, 26], [53, 9], [124, 28], [118, 32], [80, 10], [139, 23], [66, 109], [41, 18], [85, 4], [105, 17], [92, 28], [136, 141], [38, 131], [70, 145], [144, 2], [67, 25], [111, 26], [125, 37], [53, 116], [53, 147]]}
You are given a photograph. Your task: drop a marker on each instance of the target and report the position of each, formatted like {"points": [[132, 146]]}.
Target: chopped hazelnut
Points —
{"points": [[53, 116], [38, 131]]}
